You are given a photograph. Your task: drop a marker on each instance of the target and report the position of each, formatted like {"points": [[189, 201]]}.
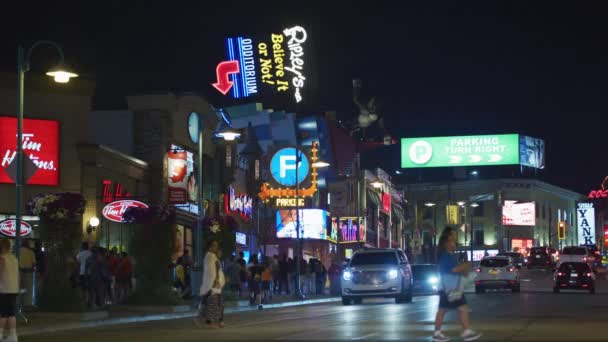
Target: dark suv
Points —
{"points": [[540, 257]]}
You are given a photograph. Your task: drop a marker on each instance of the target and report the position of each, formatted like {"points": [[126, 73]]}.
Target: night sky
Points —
{"points": [[437, 68]]}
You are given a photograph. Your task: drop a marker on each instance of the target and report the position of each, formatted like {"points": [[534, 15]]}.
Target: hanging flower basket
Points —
{"points": [[62, 206], [155, 214], [221, 229]]}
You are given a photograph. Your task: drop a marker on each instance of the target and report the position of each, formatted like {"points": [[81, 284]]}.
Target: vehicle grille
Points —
{"points": [[369, 277]]}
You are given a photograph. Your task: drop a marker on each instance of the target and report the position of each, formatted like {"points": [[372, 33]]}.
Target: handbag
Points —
{"points": [[456, 293]]}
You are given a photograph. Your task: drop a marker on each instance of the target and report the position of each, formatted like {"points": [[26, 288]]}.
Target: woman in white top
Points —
{"points": [[211, 288], [9, 289]]}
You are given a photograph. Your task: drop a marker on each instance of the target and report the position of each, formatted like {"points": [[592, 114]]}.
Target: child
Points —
{"points": [[266, 280]]}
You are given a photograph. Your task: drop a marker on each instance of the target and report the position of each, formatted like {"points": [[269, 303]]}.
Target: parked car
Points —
{"points": [[426, 278], [377, 273], [516, 257], [540, 257], [497, 272], [574, 276]]}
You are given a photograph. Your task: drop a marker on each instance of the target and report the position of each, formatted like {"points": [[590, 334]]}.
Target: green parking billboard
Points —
{"points": [[473, 150]]}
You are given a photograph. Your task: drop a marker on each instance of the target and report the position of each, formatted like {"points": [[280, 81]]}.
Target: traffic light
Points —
{"points": [[561, 230]]}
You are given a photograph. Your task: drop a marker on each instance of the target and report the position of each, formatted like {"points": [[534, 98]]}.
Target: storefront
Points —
{"points": [[112, 181]]}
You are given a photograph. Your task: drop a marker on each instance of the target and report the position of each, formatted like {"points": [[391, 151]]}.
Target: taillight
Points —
{"points": [[511, 269], [585, 259], [478, 270], [588, 274], [560, 274]]}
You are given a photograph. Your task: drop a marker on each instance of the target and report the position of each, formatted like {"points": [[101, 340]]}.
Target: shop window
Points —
{"points": [[228, 156]]}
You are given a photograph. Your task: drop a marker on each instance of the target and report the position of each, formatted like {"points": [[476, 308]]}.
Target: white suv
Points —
{"points": [[377, 273]]}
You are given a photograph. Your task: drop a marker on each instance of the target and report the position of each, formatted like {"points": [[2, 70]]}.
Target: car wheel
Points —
{"points": [[556, 289], [358, 300], [409, 294], [346, 301], [478, 289]]}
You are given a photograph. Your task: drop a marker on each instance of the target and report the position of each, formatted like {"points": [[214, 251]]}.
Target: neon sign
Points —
{"points": [[275, 64], [107, 196], [115, 210], [600, 193], [267, 192], [286, 202], [238, 204], [9, 228]]}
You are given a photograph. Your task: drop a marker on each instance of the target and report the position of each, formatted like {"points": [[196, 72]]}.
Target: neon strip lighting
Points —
{"points": [[242, 61], [235, 88]]}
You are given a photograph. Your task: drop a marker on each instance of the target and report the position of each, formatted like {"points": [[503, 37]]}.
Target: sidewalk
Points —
{"points": [[43, 323]]}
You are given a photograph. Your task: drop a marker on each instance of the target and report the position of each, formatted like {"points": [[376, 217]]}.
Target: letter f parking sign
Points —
{"points": [[283, 166]]}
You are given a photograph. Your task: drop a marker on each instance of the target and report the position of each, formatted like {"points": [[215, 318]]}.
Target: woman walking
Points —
{"points": [[451, 295], [211, 288], [9, 290]]}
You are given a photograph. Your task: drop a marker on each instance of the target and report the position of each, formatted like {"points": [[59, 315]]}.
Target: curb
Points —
{"points": [[162, 317]]}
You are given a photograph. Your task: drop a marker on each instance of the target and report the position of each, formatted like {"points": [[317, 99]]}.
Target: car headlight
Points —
{"points": [[393, 274], [347, 275], [433, 280]]}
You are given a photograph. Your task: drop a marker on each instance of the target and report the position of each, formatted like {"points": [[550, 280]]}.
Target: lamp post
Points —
{"points": [[298, 291], [223, 131], [473, 205], [60, 75]]}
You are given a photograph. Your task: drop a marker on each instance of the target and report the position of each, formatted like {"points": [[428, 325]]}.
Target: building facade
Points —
{"points": [[496, 214]]}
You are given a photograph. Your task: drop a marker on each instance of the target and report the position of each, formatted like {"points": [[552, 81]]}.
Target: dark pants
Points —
{"points": [[320, 285], [283, 284]]}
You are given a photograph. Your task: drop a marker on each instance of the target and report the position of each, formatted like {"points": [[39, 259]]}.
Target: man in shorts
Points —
{"points": [[9, 290]]}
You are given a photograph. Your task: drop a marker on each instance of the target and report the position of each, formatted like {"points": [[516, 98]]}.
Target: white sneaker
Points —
{"points": [[438, 336], [470, 335]]}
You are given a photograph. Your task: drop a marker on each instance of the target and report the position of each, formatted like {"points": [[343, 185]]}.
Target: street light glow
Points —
{"points": [[474, 205], [228, 136], [94, 221], [461, 203], [320, 164], [429, 204], [60, 75], [376, 184]]}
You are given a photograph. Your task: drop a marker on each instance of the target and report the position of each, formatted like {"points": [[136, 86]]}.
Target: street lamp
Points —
{"points": [[429, 204], [61, 75], [223, 131]]}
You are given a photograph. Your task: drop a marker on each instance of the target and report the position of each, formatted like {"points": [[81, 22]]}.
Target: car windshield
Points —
{"points": [[574, 251], [574, 267], [494, 262], [423, 271], [536, 251], [388, 258]]}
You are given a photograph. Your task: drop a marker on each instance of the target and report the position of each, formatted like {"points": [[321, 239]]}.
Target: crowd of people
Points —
{"points": [[105, 277]]}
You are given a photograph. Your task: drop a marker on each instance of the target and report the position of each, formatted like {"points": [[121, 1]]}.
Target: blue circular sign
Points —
{"points": [[283, 166], [193, 127]]}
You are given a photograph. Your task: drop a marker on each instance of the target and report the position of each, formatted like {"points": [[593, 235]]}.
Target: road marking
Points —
{"points": [[365, 336]]}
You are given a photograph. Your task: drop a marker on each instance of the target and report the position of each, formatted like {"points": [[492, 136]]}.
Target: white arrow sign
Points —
{"points": [[455, 159], [494, 158], [474, 158]]}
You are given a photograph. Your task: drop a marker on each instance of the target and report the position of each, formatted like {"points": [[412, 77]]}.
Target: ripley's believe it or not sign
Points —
{"points": [[273, 65], [476, 150]]}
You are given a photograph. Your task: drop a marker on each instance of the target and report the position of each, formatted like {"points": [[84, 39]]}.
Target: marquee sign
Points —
{"points": [[600, 193], [502, 149], [9, 228], [586, 223], [238, 204], [275, 64], [115, 210], [283, 170], [40, 144], [289, 202]]}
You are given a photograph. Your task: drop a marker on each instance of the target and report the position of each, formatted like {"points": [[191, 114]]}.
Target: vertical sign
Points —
{"points": [[586, 224], [452, 214]]}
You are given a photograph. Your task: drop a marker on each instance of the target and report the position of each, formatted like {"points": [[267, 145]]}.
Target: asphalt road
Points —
{"points": [[534, 314]]}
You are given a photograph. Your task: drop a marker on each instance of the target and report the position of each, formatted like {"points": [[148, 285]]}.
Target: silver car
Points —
{"points": [[377, 273]]}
